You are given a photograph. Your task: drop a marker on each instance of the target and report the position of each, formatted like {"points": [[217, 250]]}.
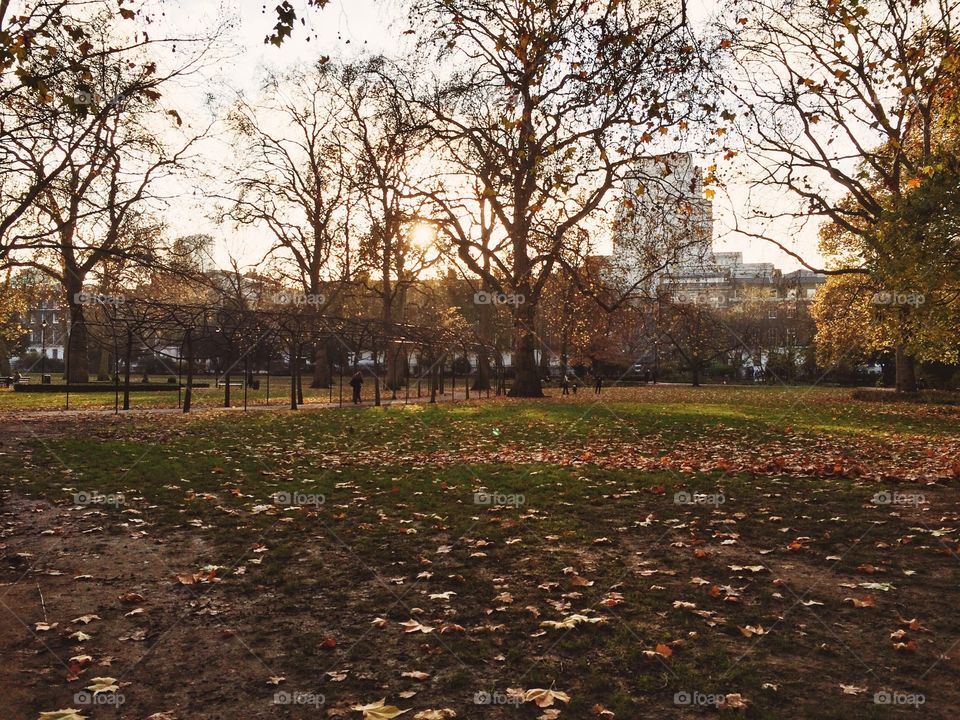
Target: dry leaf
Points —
{"points": [[379, 711], [103, 685], [852, 689], [734, 701], [412, 626], [544, 698], [416, 675]]}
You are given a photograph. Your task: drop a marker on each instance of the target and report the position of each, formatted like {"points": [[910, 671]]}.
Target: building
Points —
{"points": [[46, 324], [663, 223], [725, 280]]}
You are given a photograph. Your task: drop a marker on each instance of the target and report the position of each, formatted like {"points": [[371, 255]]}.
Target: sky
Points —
{"points": [[346, 29]]}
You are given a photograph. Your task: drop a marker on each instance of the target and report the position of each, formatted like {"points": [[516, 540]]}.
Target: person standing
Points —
{"points": [[356, 382], [599, 383], [565, 385]]}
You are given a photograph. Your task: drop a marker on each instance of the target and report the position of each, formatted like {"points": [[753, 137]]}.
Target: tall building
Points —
{"points": [[663, 224]]}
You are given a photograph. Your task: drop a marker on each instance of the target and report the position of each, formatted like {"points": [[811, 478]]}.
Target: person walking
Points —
{"points": [[356, 382], [599, 383]]}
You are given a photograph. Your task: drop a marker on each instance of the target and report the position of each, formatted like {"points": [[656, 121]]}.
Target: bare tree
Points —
{"points": [[384, 141], [552, 105], [52, 53], [295, 182], [108, 165]]}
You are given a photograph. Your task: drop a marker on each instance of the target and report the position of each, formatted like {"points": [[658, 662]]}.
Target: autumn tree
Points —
{"points": [[550, 105], [105, 161], [839, 103], [696, 331], [52, 54]]}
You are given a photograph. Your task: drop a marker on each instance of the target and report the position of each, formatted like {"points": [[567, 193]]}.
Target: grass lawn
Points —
{"points": [[656, 552]]}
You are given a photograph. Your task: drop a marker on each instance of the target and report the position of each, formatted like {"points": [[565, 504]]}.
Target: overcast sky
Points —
{"points": [[345, 29]]}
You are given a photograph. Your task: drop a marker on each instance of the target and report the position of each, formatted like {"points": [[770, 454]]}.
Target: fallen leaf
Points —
{"points": [[103, 685], [734, 701], [852, 689], [379, 711], [544, 698], [416, 675], [412, 626]]}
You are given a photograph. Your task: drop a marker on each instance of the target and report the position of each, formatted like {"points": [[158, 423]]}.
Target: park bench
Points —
{"points": [[232, 384]]}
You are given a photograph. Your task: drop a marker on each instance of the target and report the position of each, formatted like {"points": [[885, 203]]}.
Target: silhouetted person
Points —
{"points": [[565, 385], [599, 383], [356, 382], [646, 376]]}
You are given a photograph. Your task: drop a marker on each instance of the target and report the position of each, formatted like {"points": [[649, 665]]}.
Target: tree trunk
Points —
{"points": [[322, 377], [396, 366], [696, 373], [126, 370], [482, 379], [906, 371], [293, 375], [188, 350], [299, 375], [77, 342], [526, 380]]}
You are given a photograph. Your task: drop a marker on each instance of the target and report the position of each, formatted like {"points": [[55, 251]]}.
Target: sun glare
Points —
{"points": [[423, 235]]}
